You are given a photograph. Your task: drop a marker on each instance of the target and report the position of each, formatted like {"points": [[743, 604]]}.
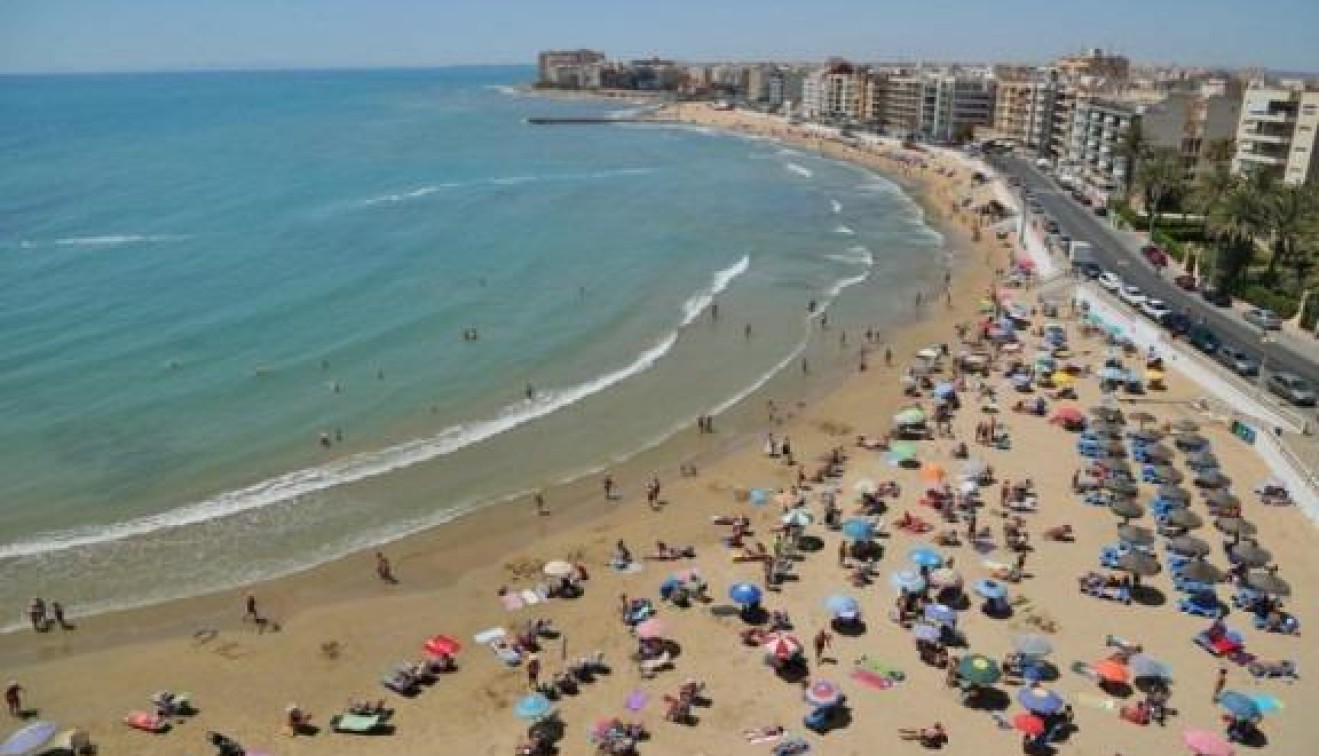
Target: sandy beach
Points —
{"points": [[340, 628]]}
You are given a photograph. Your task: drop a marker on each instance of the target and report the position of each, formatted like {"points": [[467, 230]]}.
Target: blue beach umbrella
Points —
{"points": [[1267, 704], [857, 529], [1040, 700], [759, 497], [28, 739], [1112, 374], [744, 594], [1239, 705], [925, 556], [991, 589], [1147, 666], [1030, 644], [840, 605], [941, 613], [533, 706], [944, 389], [925, 632], [907, 581]]}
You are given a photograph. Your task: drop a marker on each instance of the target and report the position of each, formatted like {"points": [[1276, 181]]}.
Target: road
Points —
{"points": [[1078, 222]]}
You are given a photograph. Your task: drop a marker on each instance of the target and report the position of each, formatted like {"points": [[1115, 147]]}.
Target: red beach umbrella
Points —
{"points": [[1029, 724], [442, 645], [1111, 671], [783, 646]]}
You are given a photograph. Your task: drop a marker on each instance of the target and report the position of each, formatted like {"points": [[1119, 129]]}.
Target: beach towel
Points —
{"points": [[636, 701], [1093, 701], [631, 568], [506, 653], [488, 636], [872, 679], [530, 597], [887, 671], [511, 601], [758, 739]]}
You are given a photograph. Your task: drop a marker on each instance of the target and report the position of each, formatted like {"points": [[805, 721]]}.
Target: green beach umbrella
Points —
{"points": [[902, 451], [979, 669], [910, 416]]}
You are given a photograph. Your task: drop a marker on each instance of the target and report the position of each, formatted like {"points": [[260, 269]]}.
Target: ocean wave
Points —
{"points": [[799, 170], [429, 189], [836, 206], [505, 89], [696, 304], [854, 256], [348, 470], [113, 240], [845, 283], [844, 230]]}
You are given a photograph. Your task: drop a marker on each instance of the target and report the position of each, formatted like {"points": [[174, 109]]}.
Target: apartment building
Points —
{"points": [[1094, 69], [1024, 109], [1277, 133], [936, 105], [571, 69], [835, 93], [1096, 138]]}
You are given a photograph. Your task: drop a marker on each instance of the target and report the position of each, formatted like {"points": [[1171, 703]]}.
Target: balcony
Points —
{"points": [[1258, 159], [1283, 116]]}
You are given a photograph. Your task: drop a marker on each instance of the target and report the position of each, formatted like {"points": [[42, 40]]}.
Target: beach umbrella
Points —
{"points": [[1111, 671], [910, 416], [1238, 705], [925, 632], [1135, 535], [823, 693], [799, 518], [974, 469], [925, 556], [1146, 435], [1170, 492], [1266, 581], [941, 614], [1149, 667], [907, 581], [29, 739], [533, 706], [1185, 426], [1168, 473], [1267, 704], [759, 497], [990, 589], [1123, 487], [1143, 417], [928, 353], [1250, 554], [442, 645], [1220, 498], [932, 472], [1068, 414], [1200, 571], [1127, 509], [857, 529], [782, 645], [865, 486], [944, 389], [1206, 743], [559, 569], [1040, 700], [1063, 379], [1028, 724], [744, 594], [1234, 526], [1158, 452], [945, 577], [901, 451], [1205, 458], [979, 669], [1032, 644], [1188, 546], [1190, 441], [651, 628], [840, 605], [1183, 518], [1140, 564]]}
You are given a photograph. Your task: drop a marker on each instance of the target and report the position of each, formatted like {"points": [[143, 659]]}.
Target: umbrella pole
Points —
{"points": [[563, 647]]}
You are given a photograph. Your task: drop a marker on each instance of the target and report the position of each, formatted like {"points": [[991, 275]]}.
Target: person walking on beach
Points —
{"points": [[383, 568], [653, 492], [540, 504], [1220, 682], [823, 640], [608, 484], [251, 614], [36, 614], [14, 699], [57, 613], [533, 671], [888, 357]]}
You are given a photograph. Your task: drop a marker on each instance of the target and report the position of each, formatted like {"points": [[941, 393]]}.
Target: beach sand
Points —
{"points": [[341, 628]]}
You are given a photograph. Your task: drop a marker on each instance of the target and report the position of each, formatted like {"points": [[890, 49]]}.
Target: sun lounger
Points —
{"points": [[1288, 626], [1228, 643], [1201, 604], [1285, 669], [490, 635], [649, 667], [359, 724], [505, 652]]}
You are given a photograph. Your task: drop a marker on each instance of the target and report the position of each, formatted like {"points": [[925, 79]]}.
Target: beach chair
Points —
{"points": [[1285, 670], [1201, 604], [1225, 643], [356, 724]]}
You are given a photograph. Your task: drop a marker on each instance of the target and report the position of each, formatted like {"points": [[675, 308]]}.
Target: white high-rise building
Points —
{"points": [[1279, 133]]}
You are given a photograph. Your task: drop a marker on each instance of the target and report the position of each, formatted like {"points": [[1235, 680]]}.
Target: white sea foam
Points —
{"points": [[504, 89], [836, 206], [844, 230], [348, 470], [696, 304], [854, 256], [844, 283], [117, 240], [429, 189], [799, 170], [403, 196]]}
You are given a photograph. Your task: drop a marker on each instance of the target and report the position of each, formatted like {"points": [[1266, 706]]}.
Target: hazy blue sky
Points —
{"points": [[96, 35]]}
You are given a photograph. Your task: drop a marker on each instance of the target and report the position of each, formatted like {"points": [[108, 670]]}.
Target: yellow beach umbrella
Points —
{"points": [[1063, 378]]}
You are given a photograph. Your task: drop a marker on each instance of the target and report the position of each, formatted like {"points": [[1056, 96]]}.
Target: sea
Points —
{"points": [[228, 300]]}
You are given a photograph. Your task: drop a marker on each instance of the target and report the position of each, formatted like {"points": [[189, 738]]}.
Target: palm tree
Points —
{"points": [[1133, 149], [1289, 213], [1240, 217], [1160, 176]]}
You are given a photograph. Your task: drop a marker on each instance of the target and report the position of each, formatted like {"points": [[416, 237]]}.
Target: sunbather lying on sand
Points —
{"points": [[665, 552], [930, 737], [762, 733]]}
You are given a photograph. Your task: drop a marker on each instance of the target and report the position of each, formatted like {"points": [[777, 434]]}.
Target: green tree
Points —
{"points": [[1236, 222], [1290, 218], [1132, 150], [1160, 176]]}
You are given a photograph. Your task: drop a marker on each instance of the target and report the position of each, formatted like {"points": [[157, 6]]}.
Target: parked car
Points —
{"points": [[1185, 281], [1132, 295], [1204, 339], [1101, 211], [1293, 388], [1236, 360], [1110, 281], [1089, 271], [1052, 225], [1177, 323], [1155, 255], [1154, 309], [1216, 296], [1266, 319]]}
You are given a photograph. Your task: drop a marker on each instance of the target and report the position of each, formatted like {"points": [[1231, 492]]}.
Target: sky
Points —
{"points": [[153, 35]]}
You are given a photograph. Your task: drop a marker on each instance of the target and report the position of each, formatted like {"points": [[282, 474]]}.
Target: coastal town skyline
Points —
{"points": [[151, 35]]}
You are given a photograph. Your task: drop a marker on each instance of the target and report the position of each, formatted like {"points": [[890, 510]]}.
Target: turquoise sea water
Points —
{"points": [[204, 273]]}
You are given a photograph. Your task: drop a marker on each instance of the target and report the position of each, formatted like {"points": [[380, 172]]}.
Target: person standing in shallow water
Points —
{"points": [[384, 570]]}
